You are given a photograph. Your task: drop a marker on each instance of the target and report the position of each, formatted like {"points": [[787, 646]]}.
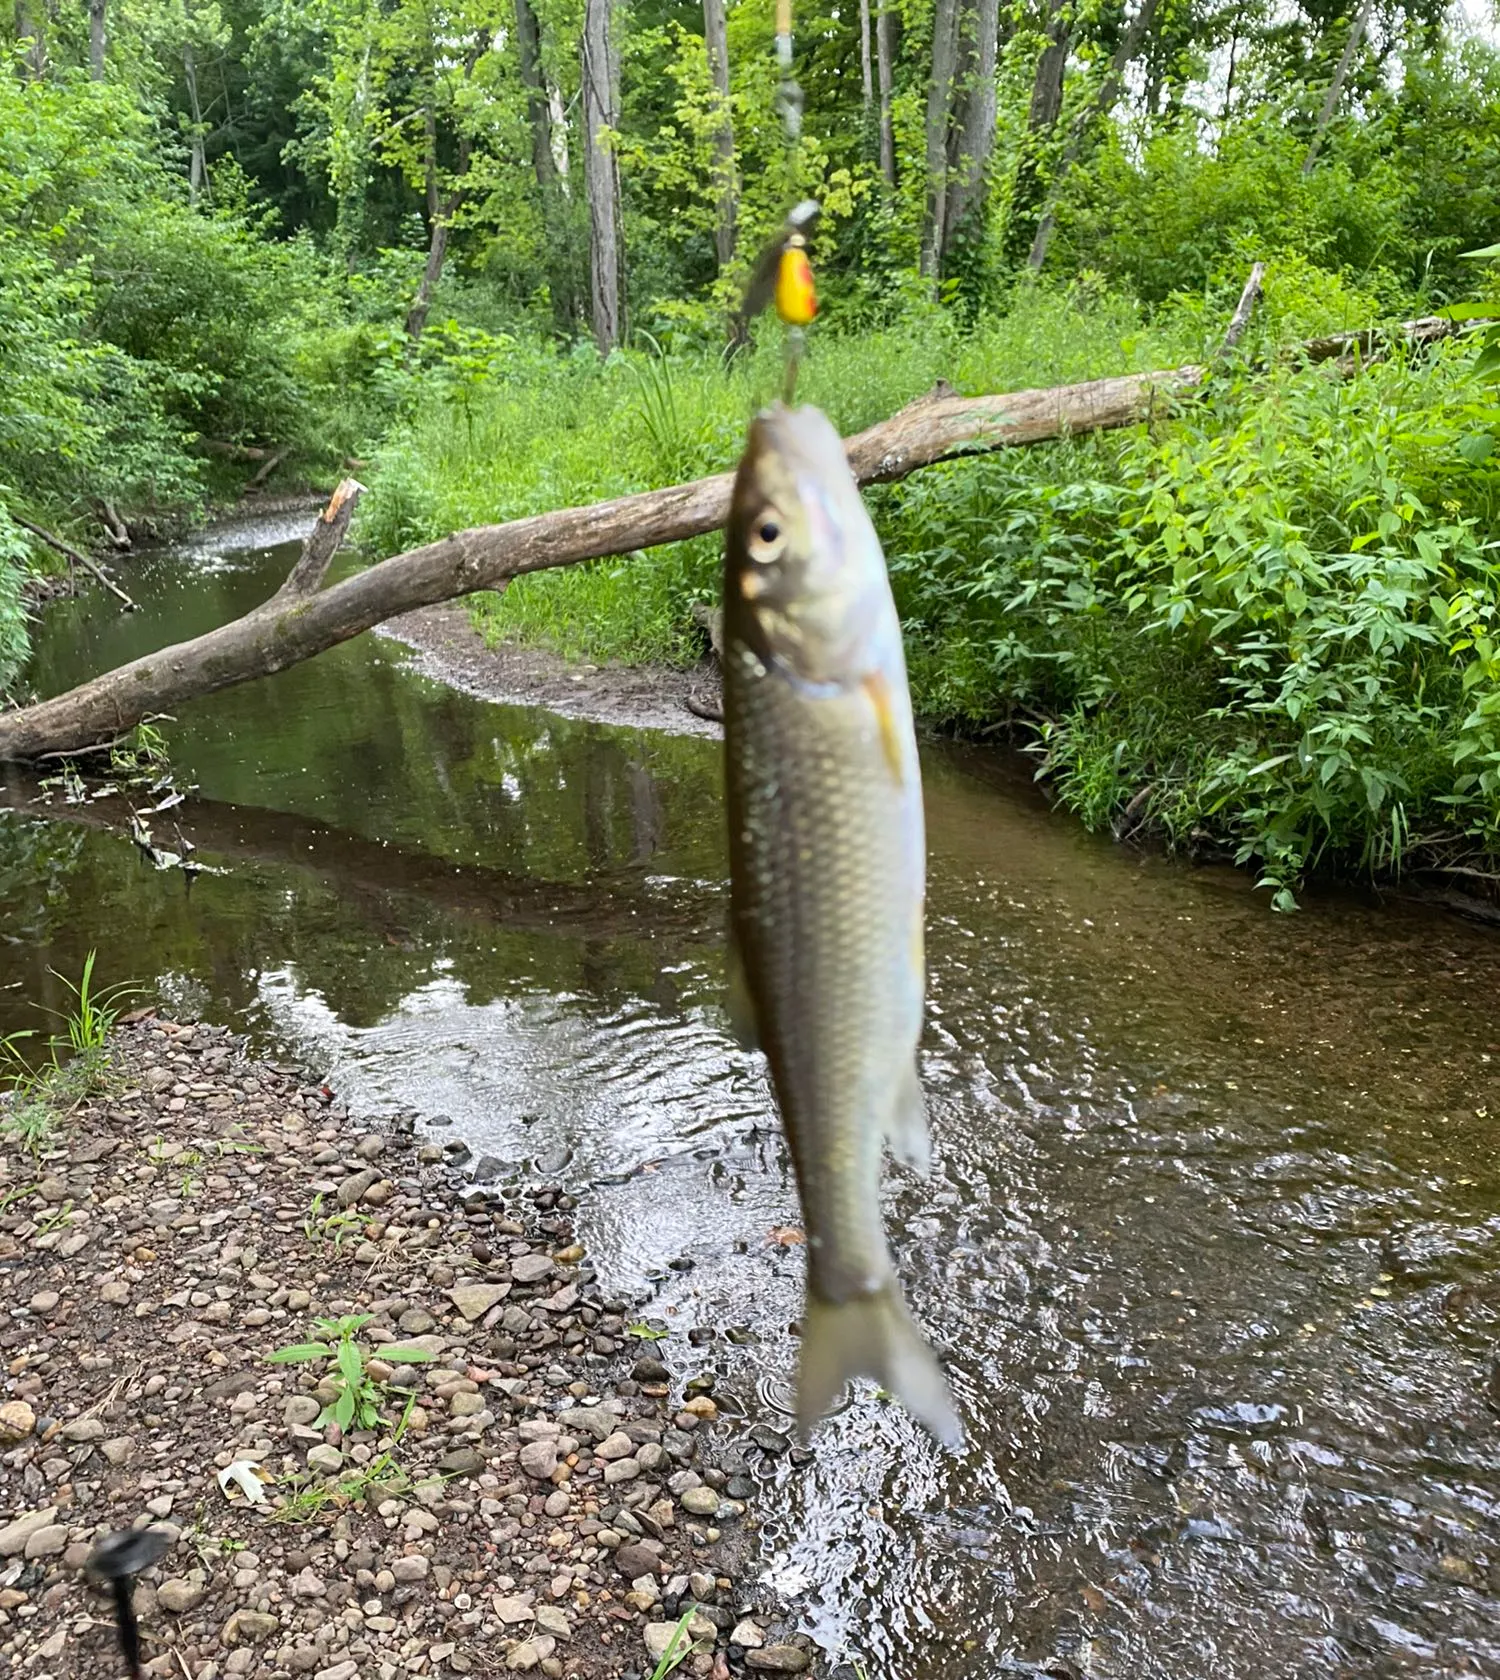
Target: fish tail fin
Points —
{"points": [[872, 1336]]}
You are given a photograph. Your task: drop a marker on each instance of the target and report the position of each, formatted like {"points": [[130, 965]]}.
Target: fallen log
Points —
{"points": [[303, 620]]}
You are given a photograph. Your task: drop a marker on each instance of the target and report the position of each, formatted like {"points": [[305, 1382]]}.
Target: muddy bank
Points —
{"points": [[450, 650], [554, 1502]]}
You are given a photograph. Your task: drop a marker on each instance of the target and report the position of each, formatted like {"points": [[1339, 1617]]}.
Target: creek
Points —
{"points": [[1210, 1244]]}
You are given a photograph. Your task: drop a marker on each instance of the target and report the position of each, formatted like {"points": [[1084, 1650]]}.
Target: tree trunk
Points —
{"points": [[197, 167], [976, 128], [716, 39], [96, 40], [303, 619], [866, 76], [1336, 86], [551, 175], [538, 116], [437, 254], [935, 131], [1028, 189], [1109, 91], [33, 62], [601, 112], [884, 56]]}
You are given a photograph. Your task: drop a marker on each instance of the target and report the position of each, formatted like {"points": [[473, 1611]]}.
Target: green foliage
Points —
{"points": [[1277, 618], [357, 1395]]}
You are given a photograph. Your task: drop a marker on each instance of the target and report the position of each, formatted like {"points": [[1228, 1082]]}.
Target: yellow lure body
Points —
{"points": [[796, 296]]}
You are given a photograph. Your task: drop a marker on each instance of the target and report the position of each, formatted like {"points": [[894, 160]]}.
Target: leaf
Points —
{"points": [[1485, 253], [645, 1332], [343, 1410], [404, 1356], [299, 1354], [247, 1476], [351, 1365]]}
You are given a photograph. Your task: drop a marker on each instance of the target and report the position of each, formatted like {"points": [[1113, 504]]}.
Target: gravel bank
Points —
{"points": [[555, 1502]]}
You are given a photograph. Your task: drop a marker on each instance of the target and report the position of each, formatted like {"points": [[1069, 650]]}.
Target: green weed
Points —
{"points": [[357, 1395], [679, 1647], [337, 1227]]}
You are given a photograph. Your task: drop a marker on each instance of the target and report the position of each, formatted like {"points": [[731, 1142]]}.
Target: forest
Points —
{"points": [[489, 254]]}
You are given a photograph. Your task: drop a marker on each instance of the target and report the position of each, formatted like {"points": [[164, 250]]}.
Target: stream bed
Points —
{"points": [[1210, 1244]]}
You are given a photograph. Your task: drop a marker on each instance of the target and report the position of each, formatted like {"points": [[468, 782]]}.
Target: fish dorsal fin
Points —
{"points": [[737, 1000], [906, 1132]]}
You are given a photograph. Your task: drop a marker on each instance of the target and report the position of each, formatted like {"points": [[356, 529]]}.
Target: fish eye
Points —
{"points": [[767, 541]]}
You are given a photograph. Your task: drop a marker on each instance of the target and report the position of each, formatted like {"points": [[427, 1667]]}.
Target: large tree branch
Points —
{"points": [[302, 620]]}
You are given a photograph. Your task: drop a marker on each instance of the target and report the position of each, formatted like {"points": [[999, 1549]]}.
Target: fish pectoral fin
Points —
{"points": [[906, 1133], [878, 689], [872, 1336], [742, 1020]]}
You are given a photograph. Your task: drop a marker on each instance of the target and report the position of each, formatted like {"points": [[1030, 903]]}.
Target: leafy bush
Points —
{"points": [[1280, 619]]}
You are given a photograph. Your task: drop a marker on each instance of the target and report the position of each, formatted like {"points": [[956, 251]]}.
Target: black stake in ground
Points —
{"points": [[118, 1559]]}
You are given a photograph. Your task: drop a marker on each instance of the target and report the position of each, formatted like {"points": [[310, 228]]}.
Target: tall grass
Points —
{"points": [[553, 431]]}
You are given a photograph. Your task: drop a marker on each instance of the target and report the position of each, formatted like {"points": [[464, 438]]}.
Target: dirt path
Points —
{"points": [[555, 1502], [450, 650]]}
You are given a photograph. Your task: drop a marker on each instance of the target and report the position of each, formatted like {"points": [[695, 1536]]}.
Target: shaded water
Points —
{"points": [[1210, 1240]]}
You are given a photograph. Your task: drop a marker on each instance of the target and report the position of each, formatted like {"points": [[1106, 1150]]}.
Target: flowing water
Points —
{"points": [[1210, 1240]]}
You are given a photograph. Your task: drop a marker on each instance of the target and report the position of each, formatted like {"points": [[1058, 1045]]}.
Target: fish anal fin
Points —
{"points": [[906, 1133], [872, 1336], [737, 1000]]}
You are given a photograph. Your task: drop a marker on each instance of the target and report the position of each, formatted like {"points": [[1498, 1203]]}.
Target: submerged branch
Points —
{"points": [[78, 557]]}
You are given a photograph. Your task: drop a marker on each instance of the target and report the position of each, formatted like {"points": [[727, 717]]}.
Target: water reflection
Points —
{"points": [[1209, 1241]]}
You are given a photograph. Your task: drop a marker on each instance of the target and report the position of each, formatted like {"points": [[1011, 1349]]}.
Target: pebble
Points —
{"points": [[474, 1300], [746, 1633], [637, 1559], [700, 1501], [249, 1625], [622, 1470], [779, 1659], [531, 1268], [179, 1595], [355, 1185], [466, 1405], [15, 1534], [410, 1568], [47, 1541], [326, 1460], [301, 1409], [17, 1421], [44, 1301], [539, 1459]]}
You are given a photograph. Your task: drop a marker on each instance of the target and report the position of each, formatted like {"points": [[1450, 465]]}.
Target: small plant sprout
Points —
{"points": [[646, 1332], [679, 1647], [358, 1395]]}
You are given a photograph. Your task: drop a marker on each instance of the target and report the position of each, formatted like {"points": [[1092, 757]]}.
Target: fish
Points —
{"points": [[826, 969]]}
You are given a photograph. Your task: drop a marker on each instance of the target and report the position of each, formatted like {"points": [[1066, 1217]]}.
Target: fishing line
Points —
{"points": [[782, 274]]}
